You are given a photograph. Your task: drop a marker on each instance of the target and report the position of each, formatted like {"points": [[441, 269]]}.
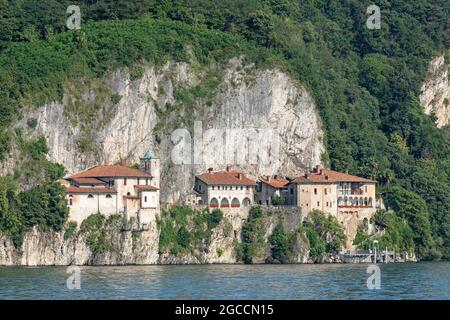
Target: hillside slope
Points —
{"points": [[364, 83]]}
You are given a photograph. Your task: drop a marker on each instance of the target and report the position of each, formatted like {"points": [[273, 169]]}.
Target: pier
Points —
{"points": [[369, 256]]}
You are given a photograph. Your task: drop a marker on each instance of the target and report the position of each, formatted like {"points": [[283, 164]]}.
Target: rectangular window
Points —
{"points": [[318, 203], [212, 188], [138, 182], [325, 191], [315, 191], [70, 201], [145, 199], [125, 181], [242, 188], [146, 181], [292, 190]]}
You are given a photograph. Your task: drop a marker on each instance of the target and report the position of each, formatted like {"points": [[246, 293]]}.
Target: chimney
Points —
{"points": [[210, 170], [346, 171], [326, 177], [317, 168], [268, 178], [321, 171], [306, 175], [229, 168], [240, 176]]}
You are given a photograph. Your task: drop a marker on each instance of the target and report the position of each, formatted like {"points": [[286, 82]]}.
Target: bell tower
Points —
{"points": [[150, 163]]}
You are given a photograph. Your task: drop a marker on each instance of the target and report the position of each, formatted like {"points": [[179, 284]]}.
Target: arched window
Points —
{"points": [[108, 196], [70, 200], [365, 223], [90, 196], [370, 201], [246, 202], [224, 203], [366, 202], [361, 201], [214, 203], [340, 201], [128, 194], [350, 201], [235, 203]]}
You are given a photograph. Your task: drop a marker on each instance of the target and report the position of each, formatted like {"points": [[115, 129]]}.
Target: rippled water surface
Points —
{"points": [[398, 281]]}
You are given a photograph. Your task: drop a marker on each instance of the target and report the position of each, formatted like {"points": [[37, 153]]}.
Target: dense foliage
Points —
{"points": [[324, 233], [98, 231], [185, 229], [42, 205], [365, 82]]}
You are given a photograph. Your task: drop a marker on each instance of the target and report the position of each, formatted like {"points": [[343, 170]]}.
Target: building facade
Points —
{"points": [[272, 190], [116, 189], [224, 189], [349, 198]]}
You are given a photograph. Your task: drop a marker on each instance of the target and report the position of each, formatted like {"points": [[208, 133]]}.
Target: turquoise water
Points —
{"points": [[425, 280]]}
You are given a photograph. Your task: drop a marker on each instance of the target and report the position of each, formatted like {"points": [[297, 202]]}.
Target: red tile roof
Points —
{"points": [[329, 176], [226, 178], [111, 171], [146, 188], [74, 189], [275, 183], [89, 181]]}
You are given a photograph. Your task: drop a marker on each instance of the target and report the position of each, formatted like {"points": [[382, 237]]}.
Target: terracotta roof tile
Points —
{"points": [[146, 187], [275, 183], [226, 178], [110, 171], [329, 176], [89, 181], [74, 189]]}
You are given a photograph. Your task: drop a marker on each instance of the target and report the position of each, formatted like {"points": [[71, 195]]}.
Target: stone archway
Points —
{"points": [[214, 203], [246, 202], [235, 203], [224, 203]]}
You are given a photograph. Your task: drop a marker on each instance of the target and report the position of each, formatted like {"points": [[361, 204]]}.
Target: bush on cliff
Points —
{"points": [[43, 206], [281, 246], [184, 229], [253, 232], [98, 231], [324, 233]]}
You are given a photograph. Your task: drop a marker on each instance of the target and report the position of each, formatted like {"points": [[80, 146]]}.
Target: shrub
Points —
{"points": [[280, 244], [183, 237], [115, 98], [214, 218], [70, 230], [32, 123]]}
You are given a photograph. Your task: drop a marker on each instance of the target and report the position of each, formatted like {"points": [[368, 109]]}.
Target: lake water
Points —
{"points": [[425, 280]]}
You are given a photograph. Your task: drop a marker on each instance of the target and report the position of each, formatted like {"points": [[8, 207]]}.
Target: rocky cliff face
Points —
{"points": [[116, 119], [50, 248], [435, 91]]}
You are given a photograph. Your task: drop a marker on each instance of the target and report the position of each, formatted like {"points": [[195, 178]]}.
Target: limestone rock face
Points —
{"points": [[49, 248], [435, 91], [147, 110]]}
